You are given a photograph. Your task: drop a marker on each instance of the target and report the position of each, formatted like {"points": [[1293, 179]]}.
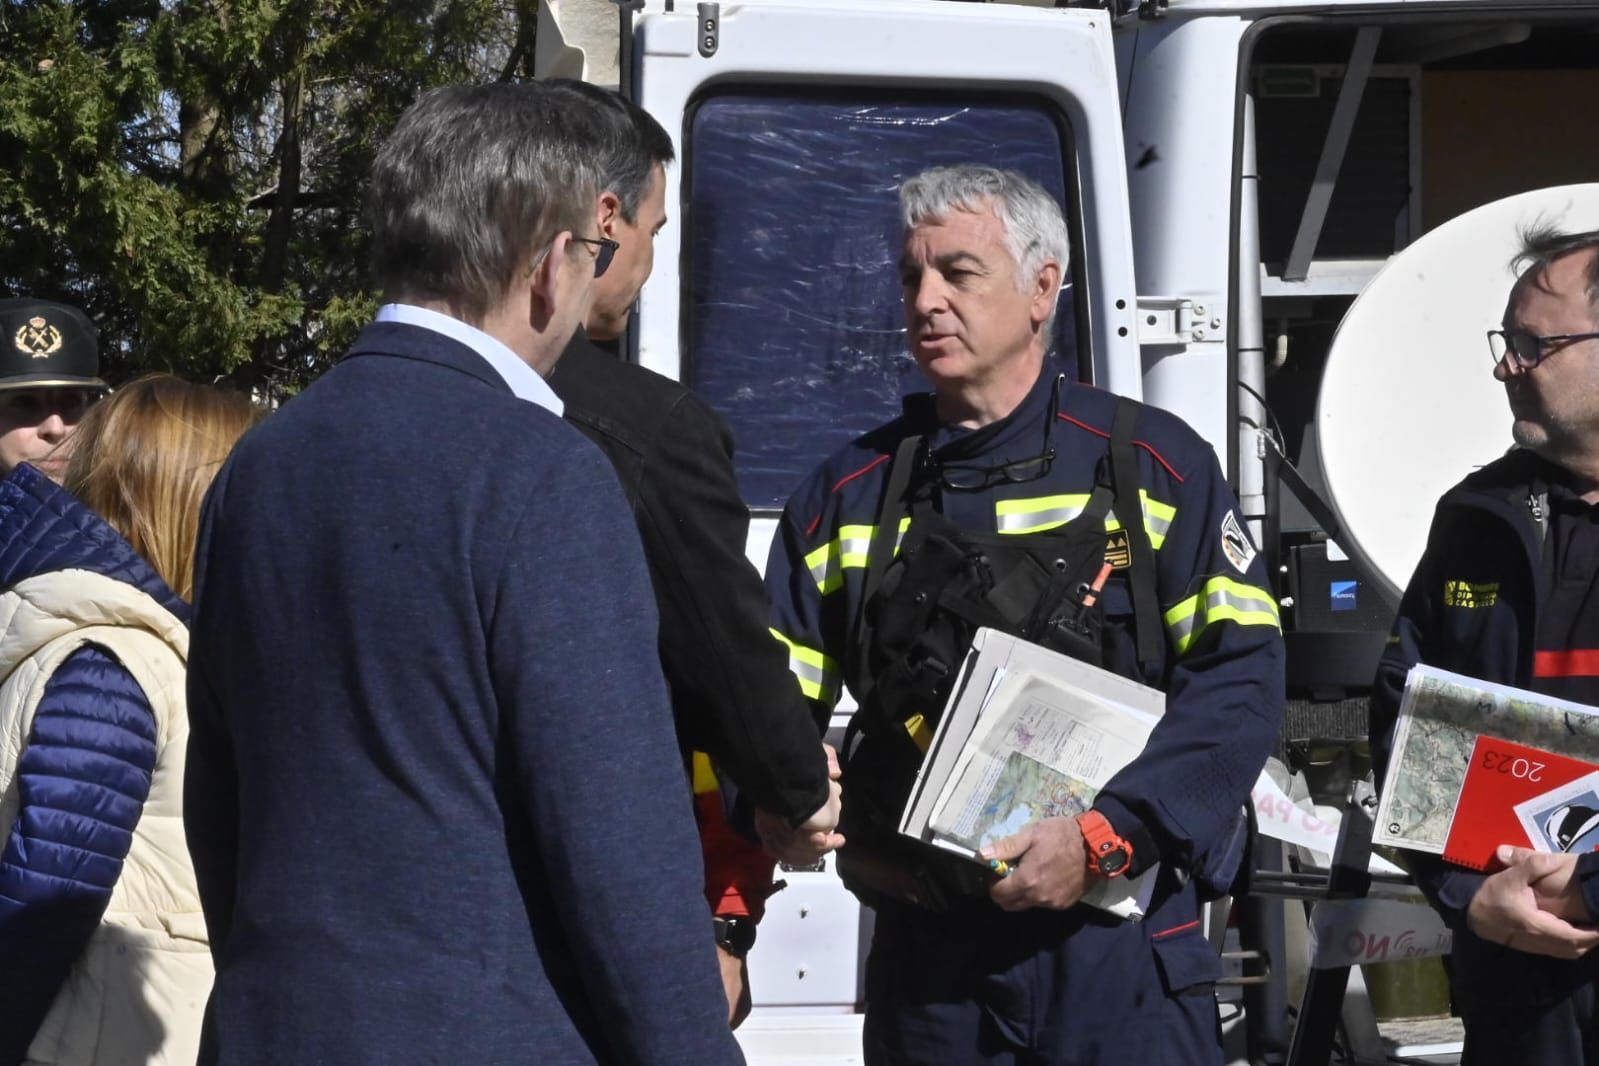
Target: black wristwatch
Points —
{"points": [[734, 935]]}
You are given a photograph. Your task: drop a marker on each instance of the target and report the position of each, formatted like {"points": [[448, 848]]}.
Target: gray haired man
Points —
{"points": [[1064, 515], [431, 797]]}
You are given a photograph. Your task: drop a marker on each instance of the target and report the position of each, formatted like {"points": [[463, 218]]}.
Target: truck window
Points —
{"points": [[792, 323]]}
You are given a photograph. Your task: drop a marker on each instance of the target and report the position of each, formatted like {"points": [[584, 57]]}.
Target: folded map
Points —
{"points": [[1441, 718]]}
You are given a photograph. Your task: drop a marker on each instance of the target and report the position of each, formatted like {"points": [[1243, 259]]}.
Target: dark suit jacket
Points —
{"points": [[732, 693], [432, 796]]}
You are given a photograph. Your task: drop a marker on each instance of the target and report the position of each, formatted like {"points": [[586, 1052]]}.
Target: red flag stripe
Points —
{"points": [[1578, 662]]}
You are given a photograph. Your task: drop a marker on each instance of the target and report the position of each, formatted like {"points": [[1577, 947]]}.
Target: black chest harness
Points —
{"points": [[920, 610]]}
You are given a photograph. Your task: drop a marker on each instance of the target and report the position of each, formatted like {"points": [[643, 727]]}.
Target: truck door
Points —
{"points": [[776, 293]]}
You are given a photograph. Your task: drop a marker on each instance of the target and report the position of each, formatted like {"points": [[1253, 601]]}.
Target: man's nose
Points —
{"points": [[54, 427], [929, 295], [1508, 368]]}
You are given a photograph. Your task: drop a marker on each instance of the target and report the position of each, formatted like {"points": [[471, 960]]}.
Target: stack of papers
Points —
{"points": [[1030, 734], [1476, 765]]}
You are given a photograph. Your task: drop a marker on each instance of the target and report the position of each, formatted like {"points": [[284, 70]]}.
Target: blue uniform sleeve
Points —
{"points": [[593, 757], [1449, 888], [810, 610], [84, 776], [1224, 692]]}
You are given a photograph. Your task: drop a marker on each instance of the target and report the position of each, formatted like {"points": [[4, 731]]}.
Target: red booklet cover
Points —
{"points": [[1519, 795]]}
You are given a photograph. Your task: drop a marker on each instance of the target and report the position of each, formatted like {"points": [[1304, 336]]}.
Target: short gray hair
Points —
{"points": [[1035, 229], [1542, 243], [472, 183]]}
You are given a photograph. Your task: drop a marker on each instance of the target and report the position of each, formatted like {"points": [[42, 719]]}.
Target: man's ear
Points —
{"points": [[1046, 290], [608, 213], [544, 283]]}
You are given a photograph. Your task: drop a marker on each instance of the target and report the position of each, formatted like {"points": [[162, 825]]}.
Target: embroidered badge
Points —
{"points": [[1235, 543], [1466, 594], [1118, 550], [38, 338]]}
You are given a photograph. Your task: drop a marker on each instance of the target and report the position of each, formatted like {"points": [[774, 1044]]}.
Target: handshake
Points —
{"points": [[806, 843]]}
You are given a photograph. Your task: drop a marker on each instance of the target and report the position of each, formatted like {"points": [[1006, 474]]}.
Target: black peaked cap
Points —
{"points": [[44, 343]]}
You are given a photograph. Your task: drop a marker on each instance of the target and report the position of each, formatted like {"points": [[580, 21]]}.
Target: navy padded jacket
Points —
{"points": [[85, 772]]}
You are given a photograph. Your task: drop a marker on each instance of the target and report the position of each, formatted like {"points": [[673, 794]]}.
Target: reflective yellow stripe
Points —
{"points": [[1047, 512], [817, 674], [847, 550], [1220, 599], [704, 774], [1043, 512]]}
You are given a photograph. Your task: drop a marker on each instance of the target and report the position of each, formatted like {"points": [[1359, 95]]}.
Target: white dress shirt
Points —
{"points": [[523, 380]]}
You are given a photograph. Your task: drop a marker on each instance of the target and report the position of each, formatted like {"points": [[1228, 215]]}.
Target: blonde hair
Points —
{"points": [[143, 458]]}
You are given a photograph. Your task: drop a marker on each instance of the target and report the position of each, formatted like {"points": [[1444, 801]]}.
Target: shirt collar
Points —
{"points": [[522, 379], [957, 442]]}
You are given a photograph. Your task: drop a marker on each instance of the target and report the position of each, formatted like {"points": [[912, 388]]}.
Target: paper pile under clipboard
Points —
{"points": [[1028, 734]]}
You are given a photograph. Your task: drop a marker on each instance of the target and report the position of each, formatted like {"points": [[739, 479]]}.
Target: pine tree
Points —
{"points": [[191, 172]]}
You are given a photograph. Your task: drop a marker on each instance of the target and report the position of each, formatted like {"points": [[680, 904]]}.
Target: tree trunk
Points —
{"points": [[280, 224]]}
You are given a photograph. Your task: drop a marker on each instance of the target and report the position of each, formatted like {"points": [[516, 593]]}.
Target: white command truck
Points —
{"points": [[1291, 226]]}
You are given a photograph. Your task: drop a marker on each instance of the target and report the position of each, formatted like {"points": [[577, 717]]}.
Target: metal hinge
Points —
{"points": [[709, 29], [1178, 320]]}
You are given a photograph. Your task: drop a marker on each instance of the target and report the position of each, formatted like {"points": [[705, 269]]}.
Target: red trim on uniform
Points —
{"points": [[1150, 448], [1174, 930], [810, 530], [1576, 662], [879, 461]]}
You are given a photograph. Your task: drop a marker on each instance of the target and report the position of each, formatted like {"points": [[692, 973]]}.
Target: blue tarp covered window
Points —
{"points": [[793, 329]]}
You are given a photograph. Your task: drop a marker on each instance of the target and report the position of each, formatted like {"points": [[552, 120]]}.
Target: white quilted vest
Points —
{"points": [[137, 994]]}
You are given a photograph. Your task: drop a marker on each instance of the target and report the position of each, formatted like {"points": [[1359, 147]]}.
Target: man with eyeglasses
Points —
{"points": [[49, 376], [431, 797], [737, 711], [1508, 591], [1014, 497]]}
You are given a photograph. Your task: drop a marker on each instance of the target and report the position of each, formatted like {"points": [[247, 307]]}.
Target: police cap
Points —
{"points": [[45, 344]]}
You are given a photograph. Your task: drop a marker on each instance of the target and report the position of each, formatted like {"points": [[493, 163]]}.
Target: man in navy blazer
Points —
{"points": [[433, 797]]}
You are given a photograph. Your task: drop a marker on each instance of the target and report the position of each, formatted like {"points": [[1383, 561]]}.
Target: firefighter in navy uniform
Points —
{"points": [[1006, 495], [1508, 591]]}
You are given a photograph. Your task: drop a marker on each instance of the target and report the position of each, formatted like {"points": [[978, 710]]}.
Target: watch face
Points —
{"points": [[1113, 862], [737, 935]]}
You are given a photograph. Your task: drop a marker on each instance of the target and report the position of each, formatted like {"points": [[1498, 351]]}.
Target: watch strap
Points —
{"points": [[735, 934]]}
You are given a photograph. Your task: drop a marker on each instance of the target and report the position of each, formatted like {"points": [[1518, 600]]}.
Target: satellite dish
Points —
{"points": [[1408, 403]]}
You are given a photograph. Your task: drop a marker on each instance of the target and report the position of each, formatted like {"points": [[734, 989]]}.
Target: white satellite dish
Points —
{"points": [[1408, 403]]}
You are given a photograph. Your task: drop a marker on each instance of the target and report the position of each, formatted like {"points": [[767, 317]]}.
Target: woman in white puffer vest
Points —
{"points": [[103, 952]]}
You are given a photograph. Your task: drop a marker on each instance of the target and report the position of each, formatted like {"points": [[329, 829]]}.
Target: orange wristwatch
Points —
{"points": [[1108, 854]]}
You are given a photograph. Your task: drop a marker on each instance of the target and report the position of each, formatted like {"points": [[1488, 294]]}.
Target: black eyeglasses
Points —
{"points": [[607, 251], [968, 477], [1527, 350]]}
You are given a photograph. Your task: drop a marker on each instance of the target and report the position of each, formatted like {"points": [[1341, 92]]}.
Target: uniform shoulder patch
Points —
{"points": [[1235, 543]]}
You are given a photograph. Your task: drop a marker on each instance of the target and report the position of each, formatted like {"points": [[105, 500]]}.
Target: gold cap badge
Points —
{"points": [[38, 338]]}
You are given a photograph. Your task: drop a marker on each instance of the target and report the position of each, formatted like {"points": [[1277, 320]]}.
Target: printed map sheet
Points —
{"points": [[1041, 750], [1029, 734], [1440, 718]]}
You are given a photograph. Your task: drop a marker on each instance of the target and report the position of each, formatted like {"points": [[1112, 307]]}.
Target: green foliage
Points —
{"points": [[191, 171]]}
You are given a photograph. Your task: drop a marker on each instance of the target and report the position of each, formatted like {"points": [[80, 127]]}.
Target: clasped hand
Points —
{"points": [[1534, 905], [804, 844]]}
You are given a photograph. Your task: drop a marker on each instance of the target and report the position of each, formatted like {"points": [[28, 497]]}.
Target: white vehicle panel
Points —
{"points": [[1064, 56]]}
